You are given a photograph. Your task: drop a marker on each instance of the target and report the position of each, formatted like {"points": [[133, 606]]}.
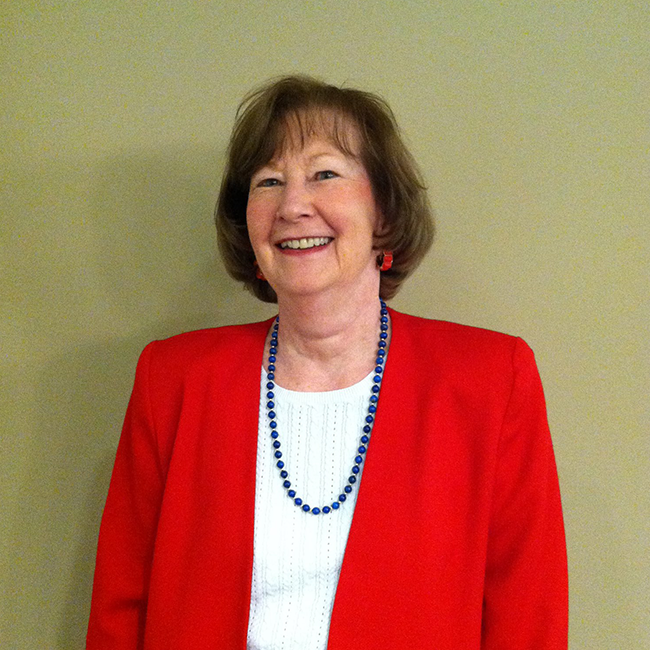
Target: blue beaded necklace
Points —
{"points": [[367, 428]]}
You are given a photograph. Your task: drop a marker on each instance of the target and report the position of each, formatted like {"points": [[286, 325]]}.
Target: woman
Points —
{"points": [[344, 475]]}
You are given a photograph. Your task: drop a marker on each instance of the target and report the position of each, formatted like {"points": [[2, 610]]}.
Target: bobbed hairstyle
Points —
{"points": [[266, 120]]}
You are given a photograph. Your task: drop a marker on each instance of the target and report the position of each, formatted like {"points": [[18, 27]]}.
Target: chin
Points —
{"points": [[301, 291], [305, 284]]}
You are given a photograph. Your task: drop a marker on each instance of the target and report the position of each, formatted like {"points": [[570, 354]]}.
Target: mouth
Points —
{"points": [[305, 243]]}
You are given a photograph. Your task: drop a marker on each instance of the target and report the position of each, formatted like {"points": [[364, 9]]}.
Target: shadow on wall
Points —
{"points": [[157, 261], [148, 245]]}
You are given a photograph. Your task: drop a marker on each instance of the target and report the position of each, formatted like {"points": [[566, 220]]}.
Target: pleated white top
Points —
{"points": [[298, 555]]}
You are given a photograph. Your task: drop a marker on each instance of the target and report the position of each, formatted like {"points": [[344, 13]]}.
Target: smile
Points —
{"points": [[305, 243]]}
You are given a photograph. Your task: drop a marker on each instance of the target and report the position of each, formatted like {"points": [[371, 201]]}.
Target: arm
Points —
{"points": [[128, 528], [526, 594]]}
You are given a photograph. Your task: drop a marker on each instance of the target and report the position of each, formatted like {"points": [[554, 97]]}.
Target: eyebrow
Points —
{"points": [[322, 154]]}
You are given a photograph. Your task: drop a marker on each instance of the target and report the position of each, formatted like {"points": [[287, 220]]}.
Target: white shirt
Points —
{"points": [[298, 555]]}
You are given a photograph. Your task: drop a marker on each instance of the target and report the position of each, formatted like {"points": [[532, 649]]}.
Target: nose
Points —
{"points": [[296, 201]]}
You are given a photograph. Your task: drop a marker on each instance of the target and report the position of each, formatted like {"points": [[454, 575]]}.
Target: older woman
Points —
{"points": [[343, 476]]}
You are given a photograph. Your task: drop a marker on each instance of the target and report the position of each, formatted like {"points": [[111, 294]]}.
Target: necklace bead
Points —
{"points": [[367, 428]]}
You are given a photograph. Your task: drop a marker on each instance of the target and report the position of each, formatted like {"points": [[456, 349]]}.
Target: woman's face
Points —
{"points": [[311, 218]]}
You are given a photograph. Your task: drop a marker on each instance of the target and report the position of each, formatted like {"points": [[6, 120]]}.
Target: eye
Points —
{"points": [[325, 175], [267, 182]]}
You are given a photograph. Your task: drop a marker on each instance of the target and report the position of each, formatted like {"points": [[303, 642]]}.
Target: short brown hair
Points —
{"points": [[260, 132]]}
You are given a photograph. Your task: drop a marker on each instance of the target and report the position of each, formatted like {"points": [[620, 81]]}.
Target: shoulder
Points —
{"points": [[214, 338], [191, 352], [459, 350], [452, 334]]}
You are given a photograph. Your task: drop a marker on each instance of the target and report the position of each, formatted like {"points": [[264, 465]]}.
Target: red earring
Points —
{"points": [[258, 271], [385, 260]]}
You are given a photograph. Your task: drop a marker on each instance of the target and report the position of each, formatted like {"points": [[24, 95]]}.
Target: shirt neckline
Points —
{"points": [[360, 387]]}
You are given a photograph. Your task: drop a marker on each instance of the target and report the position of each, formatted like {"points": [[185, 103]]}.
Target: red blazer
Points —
{"points": [[457, 540]]}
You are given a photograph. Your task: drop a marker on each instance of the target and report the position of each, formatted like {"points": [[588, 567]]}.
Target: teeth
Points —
{"points": [[305, 242]]}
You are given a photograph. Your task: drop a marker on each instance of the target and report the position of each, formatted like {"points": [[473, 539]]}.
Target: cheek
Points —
{"points": [[363, 216], [257, 222]]}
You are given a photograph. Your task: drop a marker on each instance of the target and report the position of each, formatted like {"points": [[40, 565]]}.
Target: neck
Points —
{"points": [[325, 343]]}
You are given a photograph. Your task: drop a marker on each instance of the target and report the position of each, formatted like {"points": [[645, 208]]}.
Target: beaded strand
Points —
{"points": [[366, 431]]}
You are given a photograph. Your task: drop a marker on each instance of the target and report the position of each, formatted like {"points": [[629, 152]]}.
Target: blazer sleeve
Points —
{"points": [[526, 586], [128, 528]]}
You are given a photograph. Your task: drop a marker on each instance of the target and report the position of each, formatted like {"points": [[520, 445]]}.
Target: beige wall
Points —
{"points": [[530, 120]]}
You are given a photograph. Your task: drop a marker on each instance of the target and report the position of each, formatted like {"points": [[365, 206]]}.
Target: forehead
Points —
{"points": [[299, 129]]}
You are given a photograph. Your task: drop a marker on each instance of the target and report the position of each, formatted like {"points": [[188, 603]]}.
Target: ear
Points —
{"points": [[258, 271], [381, 234]]}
